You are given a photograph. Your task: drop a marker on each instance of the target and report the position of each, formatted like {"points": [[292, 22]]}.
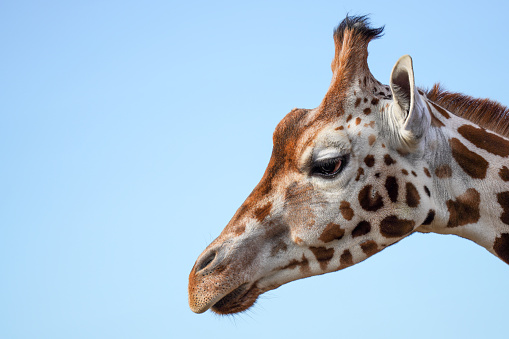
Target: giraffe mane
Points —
{"points": [[486, 113]]}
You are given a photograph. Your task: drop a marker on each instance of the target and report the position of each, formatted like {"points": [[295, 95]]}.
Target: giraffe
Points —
{"points": [[369, 166]]}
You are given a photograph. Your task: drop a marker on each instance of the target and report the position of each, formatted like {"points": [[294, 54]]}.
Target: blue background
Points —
{"points": [[130, 132]]}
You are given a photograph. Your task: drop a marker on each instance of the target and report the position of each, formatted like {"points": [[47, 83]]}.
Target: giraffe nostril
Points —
{"points": [[205, 261]]}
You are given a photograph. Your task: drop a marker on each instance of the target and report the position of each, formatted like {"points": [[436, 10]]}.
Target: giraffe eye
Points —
{"points": [[328, 168]]}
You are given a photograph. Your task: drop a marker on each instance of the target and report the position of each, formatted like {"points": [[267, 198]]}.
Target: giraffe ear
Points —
{"points": [[408, 116]]}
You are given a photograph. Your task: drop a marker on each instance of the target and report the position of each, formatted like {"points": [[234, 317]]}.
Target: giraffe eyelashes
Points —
{"points": [[329, 168]]}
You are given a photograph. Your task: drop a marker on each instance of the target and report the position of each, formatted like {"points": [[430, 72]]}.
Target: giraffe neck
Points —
{"points": [[469, 168]]}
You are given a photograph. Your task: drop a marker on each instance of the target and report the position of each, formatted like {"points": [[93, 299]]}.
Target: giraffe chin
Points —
{"points": [[238, 300]]}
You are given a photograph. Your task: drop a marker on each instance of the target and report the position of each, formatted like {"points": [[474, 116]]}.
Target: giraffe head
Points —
{"points": [[345, 180]]}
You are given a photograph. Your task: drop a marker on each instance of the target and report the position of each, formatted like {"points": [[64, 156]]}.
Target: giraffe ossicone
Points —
{"points": [[369, 166]]}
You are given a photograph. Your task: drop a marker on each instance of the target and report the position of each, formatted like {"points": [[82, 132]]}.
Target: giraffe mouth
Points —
{"points": [[238, 300]]}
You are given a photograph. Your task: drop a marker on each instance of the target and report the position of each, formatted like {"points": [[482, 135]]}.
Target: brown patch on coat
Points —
{"points": [[402, 152], [345, 259], [501, 247], [392, 187], [434, 120], [357, 102], [429, 218], [360, 171], [346, 210], [239, 230], [323, 255], [369, 201], [441, 110], [358, 121], [412, 195], [371, 124], [340, 128], [371, 139], [426, 189], [369, 160], [348, 118], [503, 200], [303, 264], [426, 171], [362, 228], [367, 111], [369, 247], [374, 101], [332, 232], [465, 209], [504, 173], [262, 212], [487, 141], [443, 171], [472, 163], [404, 171], [394, 227], [389, 160]]}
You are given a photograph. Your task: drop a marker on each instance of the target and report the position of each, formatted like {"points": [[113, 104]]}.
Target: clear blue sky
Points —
{"points": [[130, 132]]}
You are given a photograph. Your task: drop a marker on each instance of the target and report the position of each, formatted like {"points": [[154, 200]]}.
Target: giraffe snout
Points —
{"points": [[224, 278], [210, 278]]}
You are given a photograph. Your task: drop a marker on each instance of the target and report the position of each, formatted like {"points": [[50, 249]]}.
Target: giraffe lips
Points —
{"points": [[238, 300]]}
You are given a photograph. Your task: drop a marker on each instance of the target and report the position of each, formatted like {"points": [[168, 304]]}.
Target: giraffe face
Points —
{"points": [[344, 181], [335, 192]]}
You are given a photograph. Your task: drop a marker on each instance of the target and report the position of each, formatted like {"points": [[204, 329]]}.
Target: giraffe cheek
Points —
{"points": [[300, 210], [301, 222]]}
